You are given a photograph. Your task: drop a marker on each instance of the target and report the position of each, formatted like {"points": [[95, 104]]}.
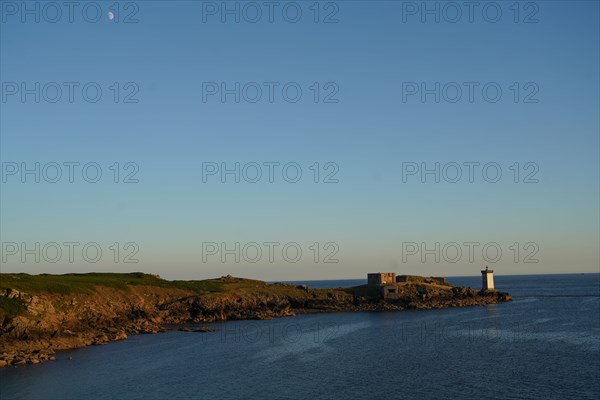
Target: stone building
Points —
{"points": [[389, 291], [381, 278]]}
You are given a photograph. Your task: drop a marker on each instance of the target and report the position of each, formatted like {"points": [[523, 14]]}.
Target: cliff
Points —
{"points": [[41, 314]]}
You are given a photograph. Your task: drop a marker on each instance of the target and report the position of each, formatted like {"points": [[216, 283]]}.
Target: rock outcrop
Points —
{"points": [[50, 322]]}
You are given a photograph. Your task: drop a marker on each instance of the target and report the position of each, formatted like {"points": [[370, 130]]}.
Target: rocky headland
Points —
{"points": [[42, 314]]}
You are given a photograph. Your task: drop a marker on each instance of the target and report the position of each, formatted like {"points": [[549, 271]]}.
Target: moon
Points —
{"points": [[111, 15]]}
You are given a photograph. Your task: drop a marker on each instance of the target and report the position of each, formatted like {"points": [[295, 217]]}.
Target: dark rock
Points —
{"points": [[203, 329]]}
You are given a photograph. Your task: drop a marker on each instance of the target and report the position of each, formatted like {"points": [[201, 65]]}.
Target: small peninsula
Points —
{"points": [[42, 314]]}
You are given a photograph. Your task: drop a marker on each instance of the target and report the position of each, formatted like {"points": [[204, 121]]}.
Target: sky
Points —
{"points": [[300, 140]]}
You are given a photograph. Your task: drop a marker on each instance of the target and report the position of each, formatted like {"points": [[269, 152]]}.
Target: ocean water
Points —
{"points": [[543, 345]]}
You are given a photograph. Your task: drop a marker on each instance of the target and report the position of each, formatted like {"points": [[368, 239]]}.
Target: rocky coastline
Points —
{"points": [[48, 321]]}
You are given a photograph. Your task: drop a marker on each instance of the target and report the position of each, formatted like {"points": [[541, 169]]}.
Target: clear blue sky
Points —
{"points": [[369, 133]]}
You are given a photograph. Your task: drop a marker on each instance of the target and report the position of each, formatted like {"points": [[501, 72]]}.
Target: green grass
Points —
{"points": [[86, 283], [10, 308], [250, 286]]}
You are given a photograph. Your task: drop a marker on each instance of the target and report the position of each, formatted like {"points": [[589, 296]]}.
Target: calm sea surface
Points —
{"points": [[543, 345]]}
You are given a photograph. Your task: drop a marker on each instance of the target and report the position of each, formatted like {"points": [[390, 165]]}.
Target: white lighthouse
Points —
{"points": [[487, 279]]}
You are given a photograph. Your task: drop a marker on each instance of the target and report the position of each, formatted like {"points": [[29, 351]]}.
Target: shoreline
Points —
{"points": [[95, 314]]}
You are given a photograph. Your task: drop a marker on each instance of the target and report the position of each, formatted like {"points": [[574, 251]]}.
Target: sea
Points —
{"points": [[545, 344]]}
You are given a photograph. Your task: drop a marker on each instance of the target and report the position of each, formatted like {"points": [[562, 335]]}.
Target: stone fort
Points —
{"points": [[387, 282]]}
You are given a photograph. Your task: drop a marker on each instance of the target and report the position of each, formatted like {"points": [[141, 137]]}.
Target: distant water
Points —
{"points": [[543, 345]]}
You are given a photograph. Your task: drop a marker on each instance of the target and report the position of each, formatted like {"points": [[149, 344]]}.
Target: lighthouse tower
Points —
{"points": [[487, 279]]}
